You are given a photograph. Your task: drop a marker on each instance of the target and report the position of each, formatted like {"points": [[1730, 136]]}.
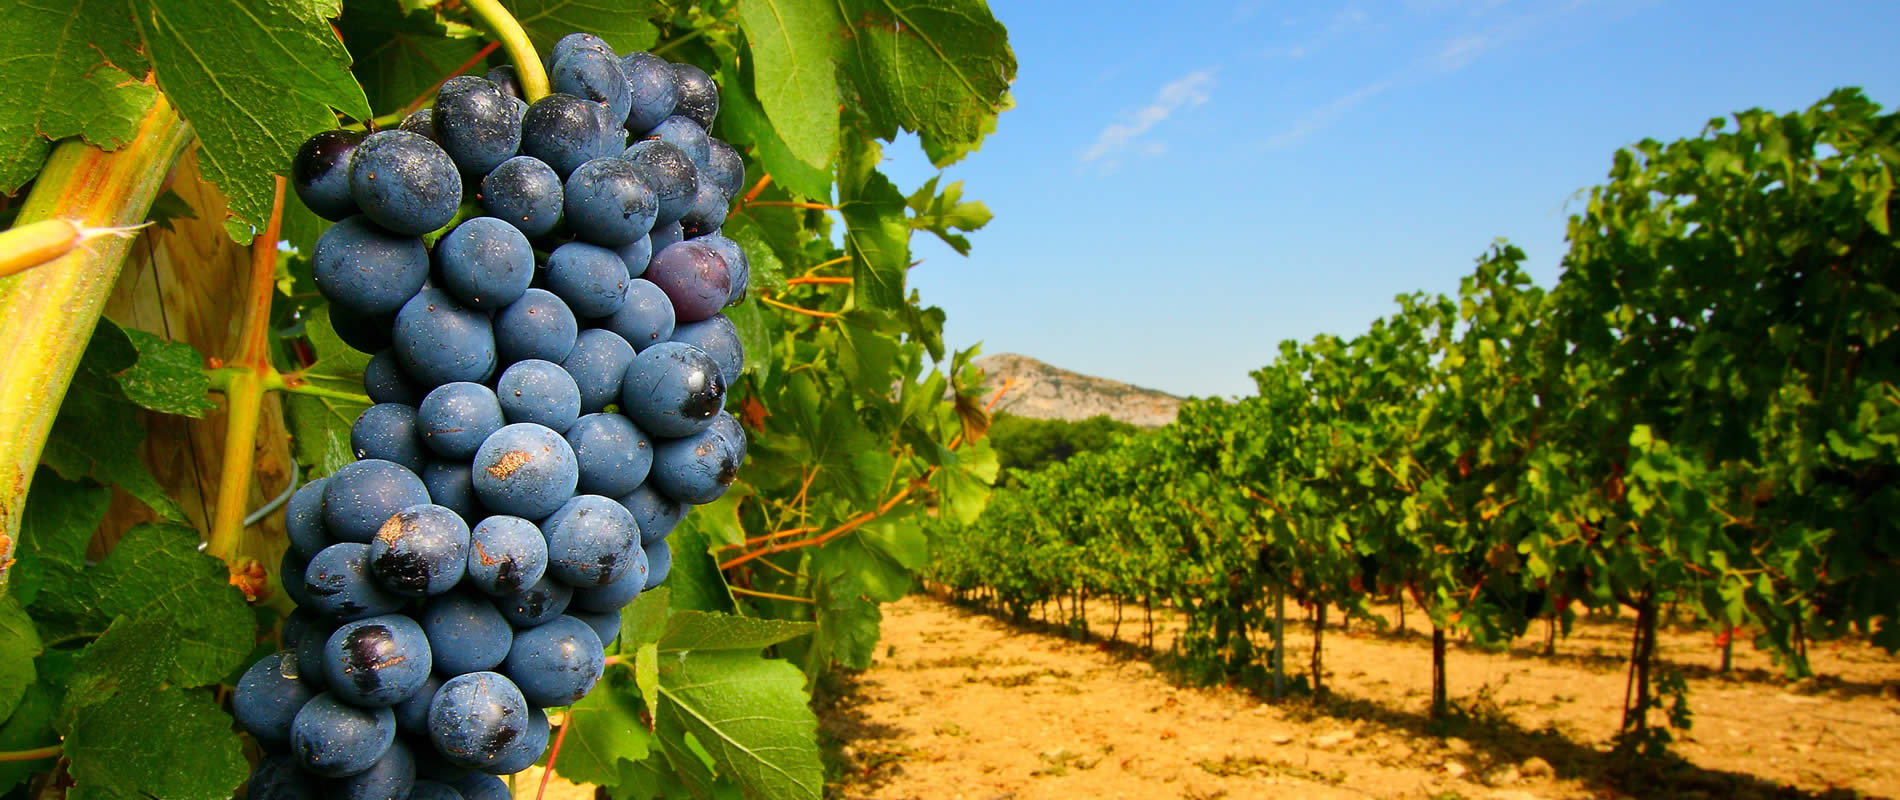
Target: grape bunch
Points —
{"points": [[549, 381]]}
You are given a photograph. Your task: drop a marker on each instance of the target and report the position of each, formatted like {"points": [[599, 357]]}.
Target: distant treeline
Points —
{"points": [[1026, 444]]}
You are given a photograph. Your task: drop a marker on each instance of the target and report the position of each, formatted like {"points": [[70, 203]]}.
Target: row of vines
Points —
{"points": [[1701, 414]]}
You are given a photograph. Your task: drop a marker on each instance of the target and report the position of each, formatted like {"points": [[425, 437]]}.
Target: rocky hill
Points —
{"points": [[1044, 392]]}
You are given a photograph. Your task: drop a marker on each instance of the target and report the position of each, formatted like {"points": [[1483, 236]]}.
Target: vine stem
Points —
{"points": [[47, 313], [286, 382], [770, 596], [528, 69], [244, 405], [553, 752], [795, 309], [35, 754]]}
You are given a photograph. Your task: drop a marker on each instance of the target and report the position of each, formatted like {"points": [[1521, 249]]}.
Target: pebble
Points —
{"points": [[1535, 767]]}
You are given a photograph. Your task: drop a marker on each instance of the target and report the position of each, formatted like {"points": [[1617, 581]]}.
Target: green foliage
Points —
{"points": [[1024, 443]]}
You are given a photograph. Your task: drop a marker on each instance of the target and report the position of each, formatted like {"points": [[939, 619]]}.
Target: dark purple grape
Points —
{"points": [[708, 212], [384, 382], [455, 418], [422, 550], [320, 173], [290, 570], [617, 593], [392, 776], [671, 173], [539, 325], [476, 717], [699, 95], [608, 202], [412, 714], [525, 470], [442, 341], [590, 279], [506, 555], [451, 487], [598, 363], [277, 777], [651, 88], [697, 469], [436, 790], [528, 749], [614, 455], [717, 337], [540, 392], [404, 182], [738, 265], [361, 495], [689, 136], [485, 262], [525, 192], [507, 80], [466, 633], [724, 168], [589, 541], [420, 122], [555, 664], [369, 270], [303, 519], [563, 131], [334, 739], [593, 74], [482, 786], [476, 124], [376, 662], [659, 562], [665, 236], [575, 42], [268, 697], [636, 256], [655, 513], [540, 602], [606, 624], [364, 333], [672, 390], [694, 277], [388, 431]]}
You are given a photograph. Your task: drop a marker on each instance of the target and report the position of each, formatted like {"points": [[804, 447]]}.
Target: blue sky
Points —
{"points": [[1182, 186]]}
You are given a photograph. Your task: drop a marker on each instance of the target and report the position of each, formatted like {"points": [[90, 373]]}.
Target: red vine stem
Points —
{"points": [[817, 279], [796, 310], [466, 66], [553, 752]]}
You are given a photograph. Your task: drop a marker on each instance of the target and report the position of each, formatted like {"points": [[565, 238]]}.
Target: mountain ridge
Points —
{"points": [[1039, 390]]}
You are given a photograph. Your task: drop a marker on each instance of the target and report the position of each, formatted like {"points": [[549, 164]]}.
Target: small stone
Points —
{"points": [[1502, 776], [1280, 738], [1260, 711], [1457, 745], [1333, 739], [1455, 770], [1535, 767]]}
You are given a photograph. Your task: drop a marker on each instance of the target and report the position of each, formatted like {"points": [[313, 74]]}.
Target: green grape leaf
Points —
{"points": [[97, 433], [169, 377], [751, 715], [695, 578], [77, 71], [622, 23], [175, 610], [754, 339], [768, 271], [877, 235], [19, 645], [794, 76], [59, 520], [943, 213], [847, 626], [199, 757], [398, 67], [742, 122], [254, 80], [699, 632], [941, 68], [605, 729], [320, 426], [29, 727], [965, 487]]}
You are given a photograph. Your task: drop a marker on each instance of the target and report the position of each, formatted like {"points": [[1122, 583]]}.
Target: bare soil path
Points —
{"points": [[962, 706]]}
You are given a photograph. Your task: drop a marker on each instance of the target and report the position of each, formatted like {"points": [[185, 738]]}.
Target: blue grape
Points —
{"points": [[435, 790], [485, 262], [672, 390], [476, 124], [655, 513], [310, 648], [612, 453], [388, 431], [506, 555], [589, 541], [697, 469], [636, 256], [482, 786], [724, 168], [412, 714], [390, 778], [699, 95], [540, 392], [451, 486], [526, 193], [431, 766], [268, 697], [442, 341], [475, 717], [738, 265], [693, 276], [361, 495], [595, 75], [320, 173], [302, 622], [290, 571], [646, 318], [466, 633], [377, 661], [366, 333], [717, 337], [665, 236], [608, 202], [606, 624], [707, 214], [562, 131], [539, 325], [420, 122], [404, 182], [689, 136], [671, 173], [366, 268], [506, 80], [334, 739], [525, 470], [590, 279], [615, 594], [651, 88], [277, 777], [523, 752], [555, 664], [384, 382], [659, 562], [303, 519], [543, 601], [598, 362], [573, 43], [455, 418], [422, 550]]}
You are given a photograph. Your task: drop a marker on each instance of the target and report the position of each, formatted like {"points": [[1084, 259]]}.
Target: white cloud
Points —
{"points": [[1190, 90]]}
